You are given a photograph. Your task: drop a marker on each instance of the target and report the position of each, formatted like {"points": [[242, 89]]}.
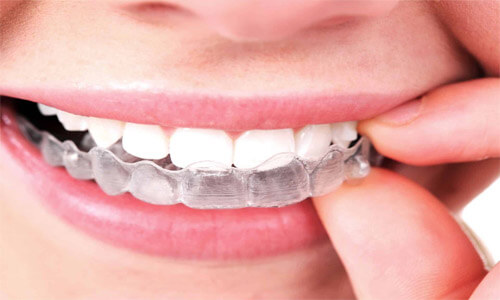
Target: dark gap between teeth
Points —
{"points": [[29, 110]]}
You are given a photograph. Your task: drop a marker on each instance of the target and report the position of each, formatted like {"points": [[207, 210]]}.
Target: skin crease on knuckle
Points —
{"points": [[233, 47]]}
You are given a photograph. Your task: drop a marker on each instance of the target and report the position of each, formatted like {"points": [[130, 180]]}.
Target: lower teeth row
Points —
{"points": [[282, 180]]}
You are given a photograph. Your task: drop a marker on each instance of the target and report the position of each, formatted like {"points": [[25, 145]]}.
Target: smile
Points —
{"points": [[135, 184], [203, 168]]}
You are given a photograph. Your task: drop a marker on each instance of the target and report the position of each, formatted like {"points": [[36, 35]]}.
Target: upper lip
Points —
{"points": [[232, 113]]}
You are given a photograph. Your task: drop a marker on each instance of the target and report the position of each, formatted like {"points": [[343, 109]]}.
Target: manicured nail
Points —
{"points": [[403, 114]]}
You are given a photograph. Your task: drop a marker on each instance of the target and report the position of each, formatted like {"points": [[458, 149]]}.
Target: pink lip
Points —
{"points": [[210, 111], [178, 231], [173, 231]]}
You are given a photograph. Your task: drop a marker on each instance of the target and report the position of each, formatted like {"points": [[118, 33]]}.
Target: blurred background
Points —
{"points": [[482, 216]]}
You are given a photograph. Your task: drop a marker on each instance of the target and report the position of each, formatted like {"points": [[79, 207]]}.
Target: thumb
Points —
{"points": [[397, 241]]}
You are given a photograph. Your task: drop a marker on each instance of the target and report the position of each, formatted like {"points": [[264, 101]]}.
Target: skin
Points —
{"points": [[435, 49]]}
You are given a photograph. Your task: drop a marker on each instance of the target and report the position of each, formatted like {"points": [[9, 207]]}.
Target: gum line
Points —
{"points": [[282, 180]]}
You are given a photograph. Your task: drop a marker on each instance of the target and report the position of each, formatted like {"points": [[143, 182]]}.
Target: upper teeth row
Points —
{"points": [[190, 145]]}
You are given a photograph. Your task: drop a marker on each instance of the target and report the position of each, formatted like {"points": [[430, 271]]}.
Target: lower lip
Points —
{"points": [[174, 231]]}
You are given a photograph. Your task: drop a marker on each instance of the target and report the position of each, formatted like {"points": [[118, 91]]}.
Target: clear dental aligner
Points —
{"points": [[283, 179]]}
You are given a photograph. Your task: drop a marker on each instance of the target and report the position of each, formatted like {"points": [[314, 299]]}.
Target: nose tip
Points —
{"points": [[260, 20]]}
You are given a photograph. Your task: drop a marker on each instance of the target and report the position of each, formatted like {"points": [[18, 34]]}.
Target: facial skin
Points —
{"points": [[224, 47]]}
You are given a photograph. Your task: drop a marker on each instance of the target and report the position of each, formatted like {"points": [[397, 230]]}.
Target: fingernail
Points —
{"points": [[403, 114]]}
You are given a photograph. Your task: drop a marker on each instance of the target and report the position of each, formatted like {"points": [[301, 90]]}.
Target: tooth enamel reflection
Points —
{"points": [[254, 147], [105, 132], [343, 133], [145, 141], [47, 110], [190, 145], [313, 141], [72, 122]]}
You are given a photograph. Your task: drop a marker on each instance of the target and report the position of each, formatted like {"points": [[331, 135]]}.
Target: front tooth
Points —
{"points": [[190, 145], [254, 147], [47, 110], [343, 133], [145, 141], [72, 122], [105, 132], [313, 141]]}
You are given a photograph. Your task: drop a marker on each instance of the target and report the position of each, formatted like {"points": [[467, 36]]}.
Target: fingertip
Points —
{"points": [[450, 124]]}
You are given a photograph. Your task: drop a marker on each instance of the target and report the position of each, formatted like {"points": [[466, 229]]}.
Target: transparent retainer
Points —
{"points": [[282, 180]]}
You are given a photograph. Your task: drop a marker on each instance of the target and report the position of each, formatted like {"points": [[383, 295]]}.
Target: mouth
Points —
{"points": [[193, 192]]}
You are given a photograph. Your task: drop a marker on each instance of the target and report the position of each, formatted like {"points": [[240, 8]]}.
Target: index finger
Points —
{"points": [[454, 123]]}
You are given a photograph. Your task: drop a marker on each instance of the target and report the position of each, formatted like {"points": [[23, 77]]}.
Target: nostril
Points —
{"points": [[153, 11], [154, 6], [256, 20]]}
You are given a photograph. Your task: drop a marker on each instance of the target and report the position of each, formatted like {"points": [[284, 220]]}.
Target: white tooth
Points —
{"points": [[254, 147], [343, 133], [313, 141], [190, 145], [47, 110], [105, 132], [72, 122], [145, 141]]}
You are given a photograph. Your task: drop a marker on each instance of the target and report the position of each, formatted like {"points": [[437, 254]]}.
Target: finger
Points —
{"points": [[455, 123], [397, 241], [489, 287]]}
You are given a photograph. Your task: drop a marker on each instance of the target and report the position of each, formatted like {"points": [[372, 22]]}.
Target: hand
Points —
{"points": [[395, 238]]}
